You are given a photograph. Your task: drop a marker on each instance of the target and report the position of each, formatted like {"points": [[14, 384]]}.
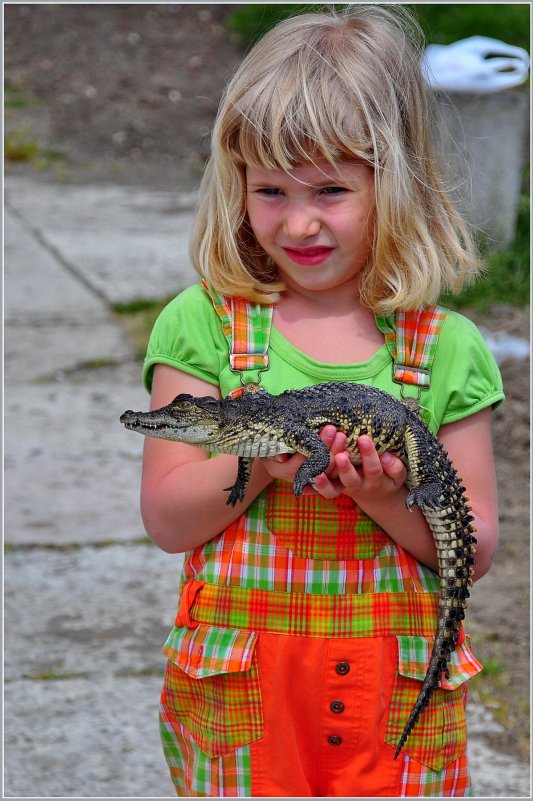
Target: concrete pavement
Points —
{"points": [[88, 602]]}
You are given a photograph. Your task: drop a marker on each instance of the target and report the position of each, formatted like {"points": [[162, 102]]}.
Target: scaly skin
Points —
{"points": [[260, 424]]}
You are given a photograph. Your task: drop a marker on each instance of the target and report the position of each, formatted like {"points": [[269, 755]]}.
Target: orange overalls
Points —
{"points": [[303, 634]]}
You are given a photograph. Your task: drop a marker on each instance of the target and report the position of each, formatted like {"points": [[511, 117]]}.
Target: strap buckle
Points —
{"points": [[413, 376]]}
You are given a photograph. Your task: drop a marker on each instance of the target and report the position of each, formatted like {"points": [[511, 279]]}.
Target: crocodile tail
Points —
{"points": [[431, 682], [440, 496]]}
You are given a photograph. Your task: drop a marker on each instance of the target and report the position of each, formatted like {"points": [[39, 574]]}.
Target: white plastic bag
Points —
{"points": [[477, 64]]}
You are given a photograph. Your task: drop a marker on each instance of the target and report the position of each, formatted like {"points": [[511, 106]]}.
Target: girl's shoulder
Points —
{"points": [[186, 335], [461, 342], [192, 300], [465, 376], [191, 310], [458, 330], [455, 322]]}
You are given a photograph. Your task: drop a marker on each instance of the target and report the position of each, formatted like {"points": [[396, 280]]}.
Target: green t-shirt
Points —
{"points": [[465, 378]]}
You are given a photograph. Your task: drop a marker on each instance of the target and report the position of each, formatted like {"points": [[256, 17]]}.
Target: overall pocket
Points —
{"points": [[439, 737], [212, 686]]}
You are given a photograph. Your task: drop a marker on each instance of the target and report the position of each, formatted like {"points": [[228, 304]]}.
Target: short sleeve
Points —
{"points": [[188, 336], [467, 378]]}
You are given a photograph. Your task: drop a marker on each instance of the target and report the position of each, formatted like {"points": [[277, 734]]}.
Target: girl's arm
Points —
{"points": [[182, 499], [378, 488]]}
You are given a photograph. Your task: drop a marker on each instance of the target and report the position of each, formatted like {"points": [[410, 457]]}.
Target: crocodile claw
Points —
{"points": [[235, 494], [425, 496]]}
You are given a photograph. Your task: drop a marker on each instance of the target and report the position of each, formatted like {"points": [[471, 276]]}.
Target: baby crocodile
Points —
{"points": [[260, 424]]}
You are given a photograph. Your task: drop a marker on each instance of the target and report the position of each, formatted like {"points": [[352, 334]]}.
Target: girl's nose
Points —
{"points": [[301, 223]]}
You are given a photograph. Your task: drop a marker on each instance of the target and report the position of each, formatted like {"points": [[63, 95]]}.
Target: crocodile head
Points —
{"points": [[186, 419]]}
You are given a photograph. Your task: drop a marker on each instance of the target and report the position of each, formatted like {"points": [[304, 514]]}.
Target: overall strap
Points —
{"points": [[246, 326], [411, 338]]}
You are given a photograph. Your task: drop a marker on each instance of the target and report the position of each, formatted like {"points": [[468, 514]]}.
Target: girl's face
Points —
{"points": [[314, 221]]}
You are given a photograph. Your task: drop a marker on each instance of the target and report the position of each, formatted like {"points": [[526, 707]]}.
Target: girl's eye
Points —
{"points": [[334, 190], [270, 191]]}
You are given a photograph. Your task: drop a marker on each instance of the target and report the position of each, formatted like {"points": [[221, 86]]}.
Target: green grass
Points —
{"points": [[442, 23], [492, 669], [52, 675], [136, 306], [14, 96], [21, 145], [73, 546]]}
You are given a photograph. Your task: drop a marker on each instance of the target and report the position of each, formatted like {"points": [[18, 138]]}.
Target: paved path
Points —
{"points": [[88, 602]]}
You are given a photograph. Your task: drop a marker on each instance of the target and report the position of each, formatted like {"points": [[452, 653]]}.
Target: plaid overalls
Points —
{"points": [[303, 633]]}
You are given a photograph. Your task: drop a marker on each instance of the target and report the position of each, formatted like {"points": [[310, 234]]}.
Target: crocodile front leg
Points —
{"points": [[238, 490], [303, 441]]}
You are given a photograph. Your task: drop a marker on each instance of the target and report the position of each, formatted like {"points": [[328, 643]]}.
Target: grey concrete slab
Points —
{"points": [[81, 738], [97, 617], [101, 740], [126, 243], [53, 320], [494, 775], [37, 287], [72, 472], [92, 612], [34, 350]]}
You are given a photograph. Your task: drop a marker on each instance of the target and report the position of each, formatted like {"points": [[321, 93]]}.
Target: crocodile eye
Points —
{"points": [[184, 404]]}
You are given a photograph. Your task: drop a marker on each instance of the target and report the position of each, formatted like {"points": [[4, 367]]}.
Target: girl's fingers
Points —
{"points": [[327, 483], [327, 434], [339, 443], [327, 486], [336, 442], [348, 475], [394, 468], [374, 473], [283, 466], [337, 446], [376, 467], [370, 461]]}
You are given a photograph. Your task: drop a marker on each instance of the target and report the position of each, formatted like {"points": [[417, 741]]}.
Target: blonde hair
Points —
{"points": [[345, 86]]}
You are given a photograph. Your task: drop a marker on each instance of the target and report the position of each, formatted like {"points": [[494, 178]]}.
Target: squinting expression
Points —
{"points": [[314, 221]]}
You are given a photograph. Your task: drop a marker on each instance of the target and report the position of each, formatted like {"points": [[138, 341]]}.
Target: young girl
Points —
{"points": [[304, 627]]}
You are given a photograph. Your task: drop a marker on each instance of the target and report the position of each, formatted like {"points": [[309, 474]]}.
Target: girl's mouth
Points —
{"points": [[308, 256]]}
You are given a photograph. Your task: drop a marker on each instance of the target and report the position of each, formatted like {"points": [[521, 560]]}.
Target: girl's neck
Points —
{"points": [[329, 327]]}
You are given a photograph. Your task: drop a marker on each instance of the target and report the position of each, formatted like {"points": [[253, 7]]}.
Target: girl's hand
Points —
{"points": [[376, 479], [377, 486], [285, 466]]}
